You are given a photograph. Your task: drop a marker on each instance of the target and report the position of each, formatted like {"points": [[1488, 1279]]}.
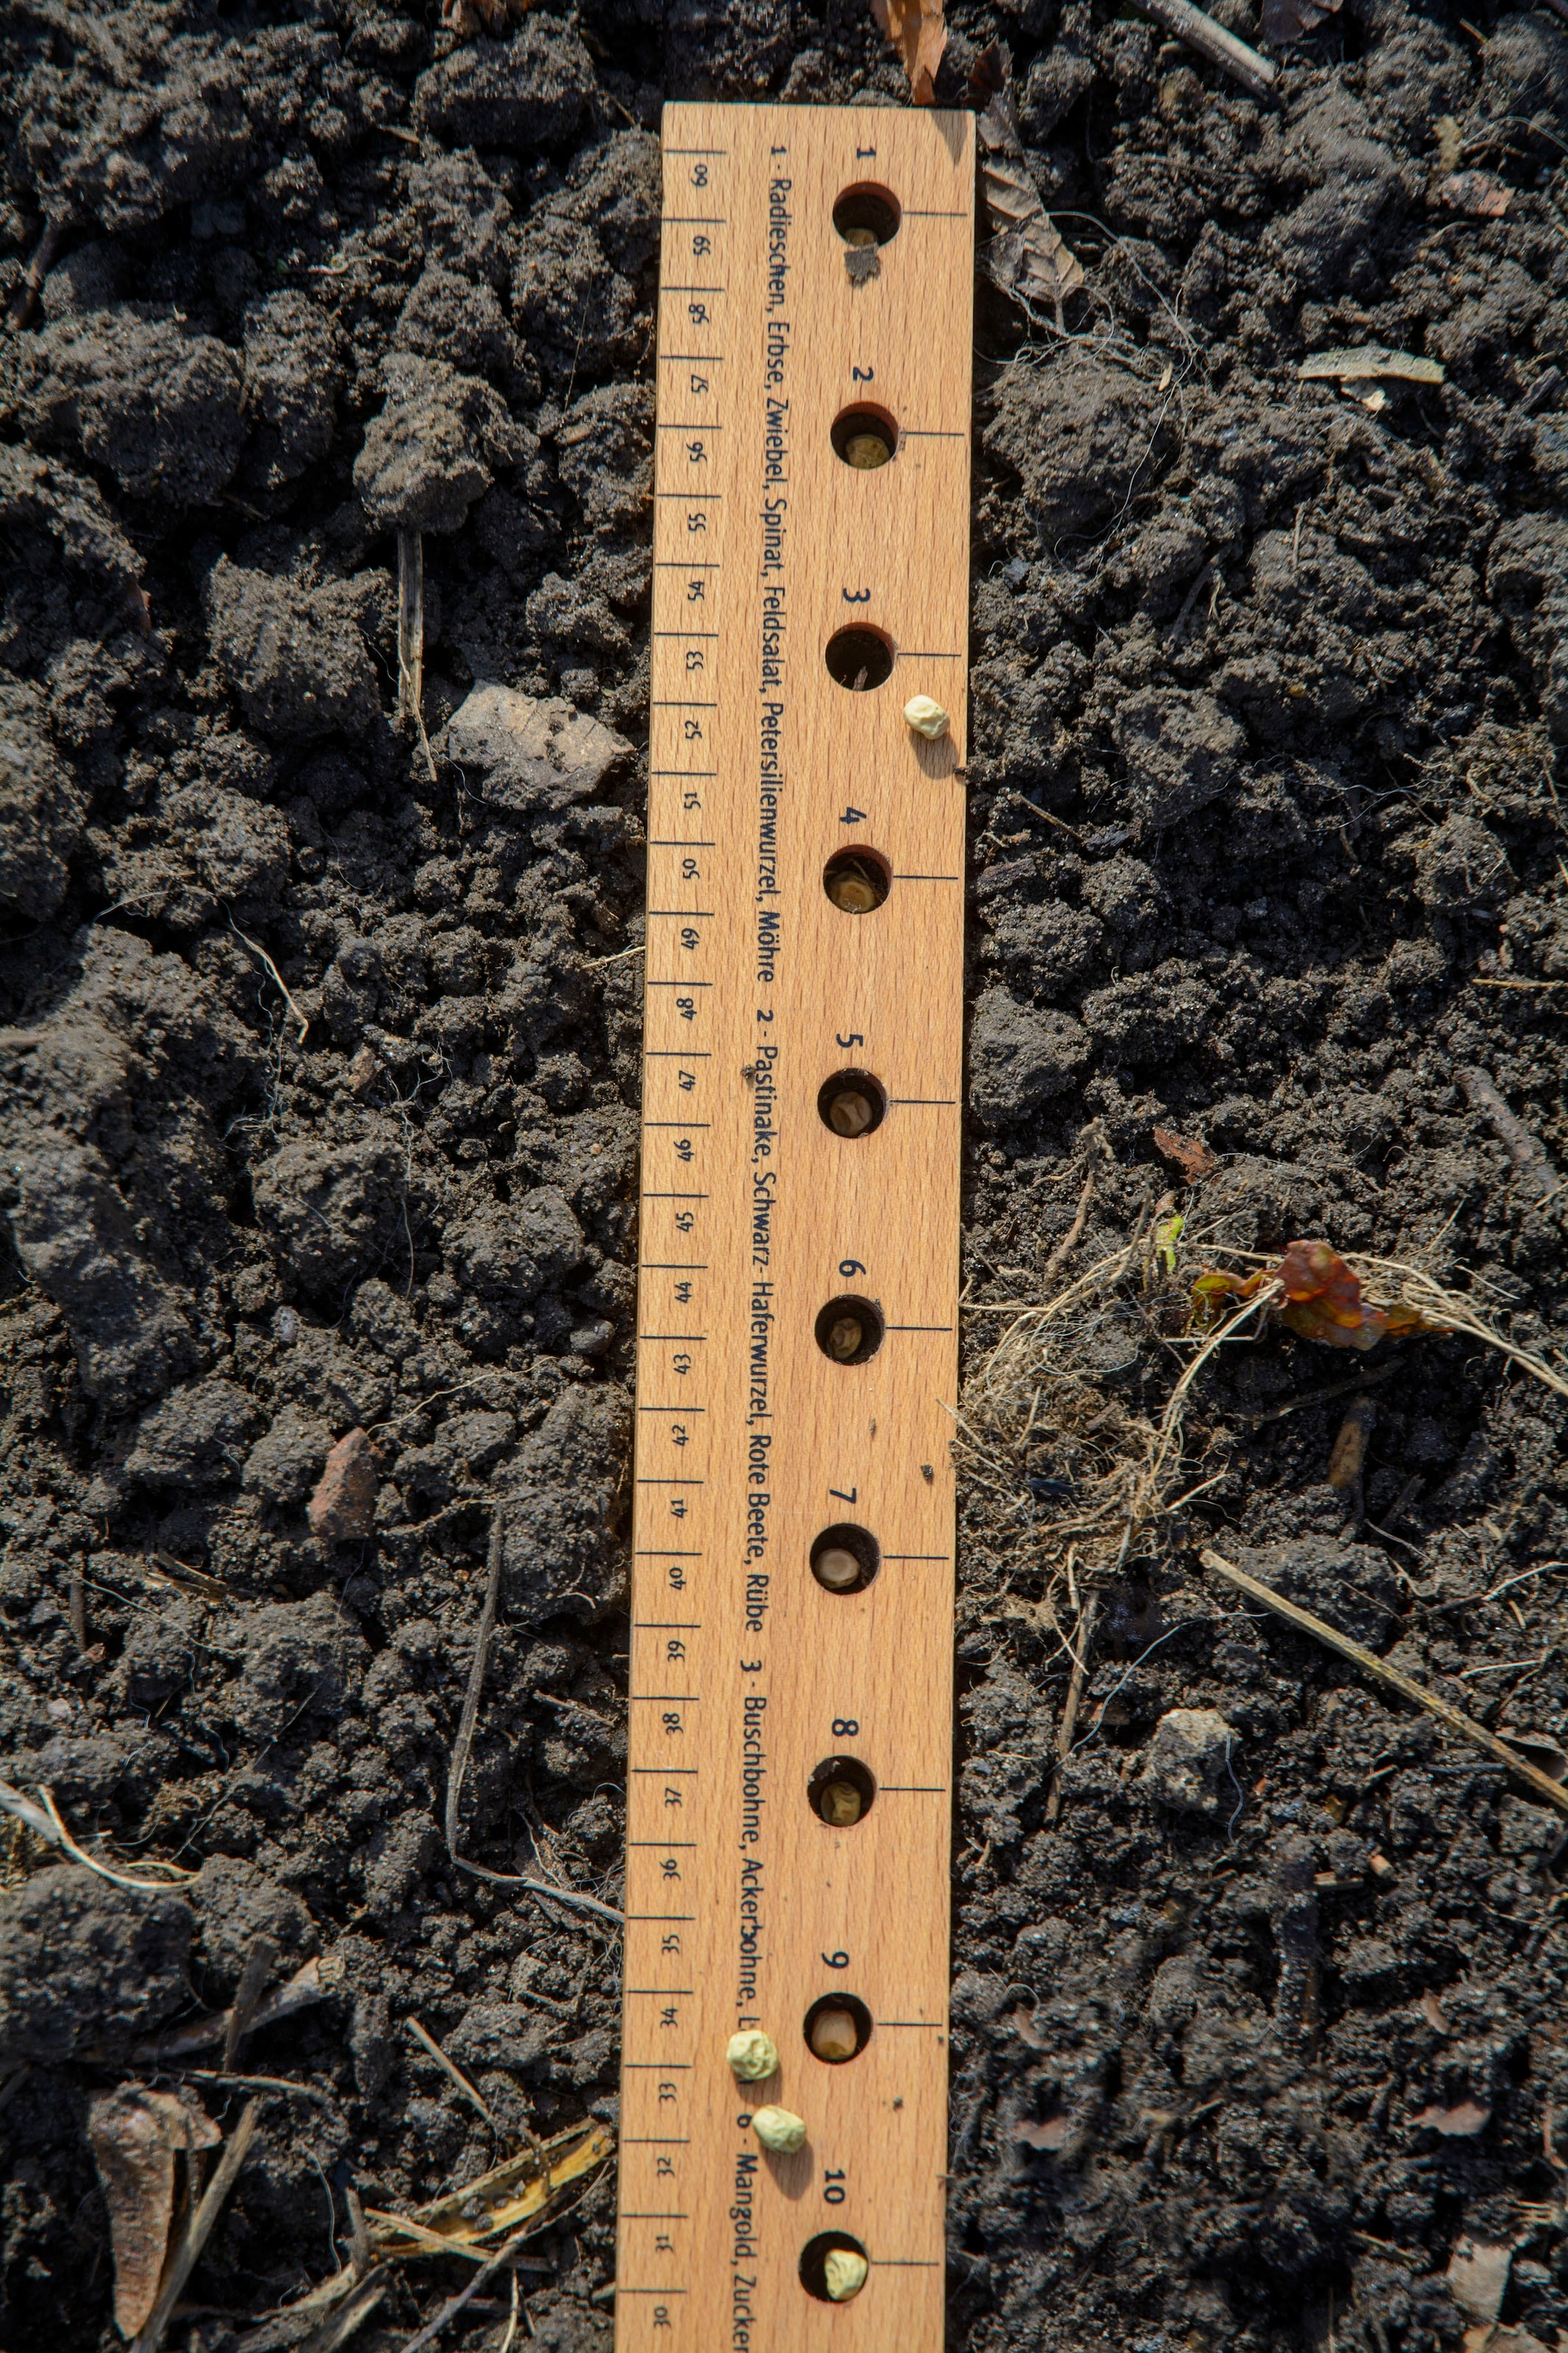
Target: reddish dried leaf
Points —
{"points": [[1324, 1299], [1192, 1156], [1475, 192], [915, 28], [989, 73]]}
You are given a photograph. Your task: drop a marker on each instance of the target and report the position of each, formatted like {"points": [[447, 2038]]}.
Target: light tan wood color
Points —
{"points": [[744, 1906]]}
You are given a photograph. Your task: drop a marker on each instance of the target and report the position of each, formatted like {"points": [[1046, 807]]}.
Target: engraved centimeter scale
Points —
{"points": [[743, 1905]]}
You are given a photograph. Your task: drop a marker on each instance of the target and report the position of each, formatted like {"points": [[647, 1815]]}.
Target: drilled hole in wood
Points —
{"points": [[857, 880], [867, 215], [849, 1330], [818, 2278], [852, 1103], [841, 1792], [838, 2028], [845, 1558], [860, 660], [865, 439]]}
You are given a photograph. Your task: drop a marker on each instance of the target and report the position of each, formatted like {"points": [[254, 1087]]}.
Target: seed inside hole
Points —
{"points": [[841, 1792], [845, 1558], [852, 1103], [833, 2266], [838, 2028], [860, 660], [867, 215], [865, 439], [849, 1330], [857, 880]]}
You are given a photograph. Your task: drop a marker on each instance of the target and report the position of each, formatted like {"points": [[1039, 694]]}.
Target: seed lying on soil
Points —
{"points": [[926, 717], [843, 1337], [753, 2056], [865, 451], [838, 1567], [776, 2129], [839, 1806], [833, 2035], [844, 2274], [850, 1114]]}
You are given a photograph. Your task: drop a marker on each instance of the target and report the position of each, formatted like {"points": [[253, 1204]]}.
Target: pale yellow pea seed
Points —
{"points": [[845, 1337], [926, 717], [859, 237], [844, 2274], [833, 2035], [849, 1114], [864, 451], [753, 2056], [777, 2129], [838, 1567], [853, 894], [840, 1804]]}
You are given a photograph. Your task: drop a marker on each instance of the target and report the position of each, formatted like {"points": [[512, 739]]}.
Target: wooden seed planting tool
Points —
{"points": [[790, 1741]]}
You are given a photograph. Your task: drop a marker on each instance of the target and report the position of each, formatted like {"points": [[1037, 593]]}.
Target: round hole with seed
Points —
{"points": [[859, 658], [838, 2028], [857, 880], [841, 1792], [845, 1558], [834, 2267], [849, 1331], [851, 1103], [864, 439], [867, 215]]}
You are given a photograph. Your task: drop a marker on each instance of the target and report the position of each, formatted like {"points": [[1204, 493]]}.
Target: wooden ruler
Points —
{"points": [[791, 1665]]}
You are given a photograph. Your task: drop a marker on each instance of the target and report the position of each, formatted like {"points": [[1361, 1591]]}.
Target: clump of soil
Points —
{"points": [[320, 1114]]}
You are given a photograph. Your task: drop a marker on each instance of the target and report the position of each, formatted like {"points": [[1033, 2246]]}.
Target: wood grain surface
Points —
{"points": [[744, 1907]]}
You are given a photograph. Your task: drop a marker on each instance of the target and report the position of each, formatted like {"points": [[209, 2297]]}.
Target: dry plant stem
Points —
{"points": [[411, 637], [1417, 1289], [210, 2034], [1526, 1151], [456, 2073], [1318, 1397], [1254, 73], [338, 2329], [1074, 1234], [247, 1996], [462, 1747], [256, 949], [182, 2260], [1085, 1630], [454, 2304], [1453, 1717], [44, 1820]]}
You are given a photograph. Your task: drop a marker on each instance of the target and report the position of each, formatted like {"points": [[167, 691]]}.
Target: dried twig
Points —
{"points": [[43, 1820], [1453, 1717], [1069, 1726], [454, 2072], [1319, 1397], [454, 2304], [1074, 1234], [1245, 65], [462, 1746], [1526, 1151], [247, 1996], [197, 2231]]}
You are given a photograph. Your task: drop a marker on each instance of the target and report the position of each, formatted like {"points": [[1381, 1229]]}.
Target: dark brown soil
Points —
{"points": [[1269, 684]]}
